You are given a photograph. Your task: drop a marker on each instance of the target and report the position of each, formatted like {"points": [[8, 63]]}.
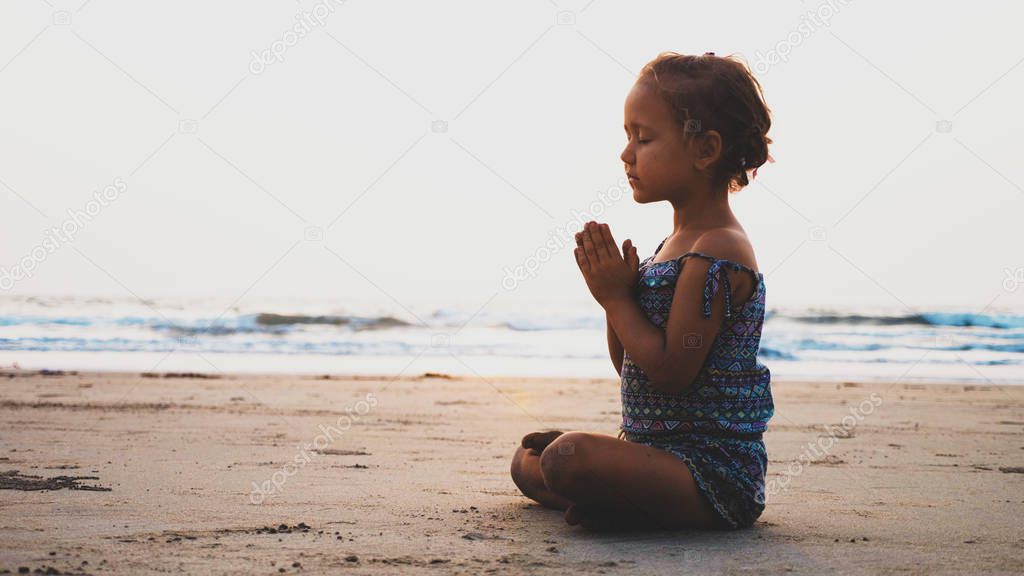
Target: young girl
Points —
{"points": [[684, 325]]}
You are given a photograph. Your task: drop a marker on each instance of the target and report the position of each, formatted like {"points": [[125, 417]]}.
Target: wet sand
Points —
{"points": [[203, 473]]}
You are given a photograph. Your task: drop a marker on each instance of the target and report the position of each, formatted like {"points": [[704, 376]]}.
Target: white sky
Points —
{"points": [[342, 126]]}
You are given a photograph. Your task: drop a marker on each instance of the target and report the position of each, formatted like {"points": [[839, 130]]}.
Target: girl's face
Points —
{"points": [[657, 157]]}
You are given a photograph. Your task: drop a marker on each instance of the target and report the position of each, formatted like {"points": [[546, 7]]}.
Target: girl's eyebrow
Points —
{"points": [[637, 125]]}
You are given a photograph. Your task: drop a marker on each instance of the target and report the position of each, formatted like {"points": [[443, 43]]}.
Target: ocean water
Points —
{"points": [[537, 340]]}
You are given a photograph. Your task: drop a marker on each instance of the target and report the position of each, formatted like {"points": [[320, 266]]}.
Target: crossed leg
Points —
{"points": [[605, 482], [526, 471]]}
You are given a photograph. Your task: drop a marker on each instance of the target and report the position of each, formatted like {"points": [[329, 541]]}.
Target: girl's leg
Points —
{"points": [[526, 470], [616, 483]]}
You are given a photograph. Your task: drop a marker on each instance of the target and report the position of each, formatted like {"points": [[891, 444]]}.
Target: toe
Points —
{"points": [[540, 440]]}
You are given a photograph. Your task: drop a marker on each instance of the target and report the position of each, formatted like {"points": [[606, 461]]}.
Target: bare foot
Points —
{"points": [[574, 514], [540, 440], [589, 519]]}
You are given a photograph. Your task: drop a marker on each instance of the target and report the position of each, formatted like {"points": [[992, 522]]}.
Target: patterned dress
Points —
{"points": [[716, 425]]}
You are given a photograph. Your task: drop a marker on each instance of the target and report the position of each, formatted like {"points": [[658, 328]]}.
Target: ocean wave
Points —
{"points": [[967, 319], [1015, 347], [946, 319], [772, 354], [264, 322], [19, 320], [822, 345], [355, 322], [806, 336], [541, 324], [811, 345]]}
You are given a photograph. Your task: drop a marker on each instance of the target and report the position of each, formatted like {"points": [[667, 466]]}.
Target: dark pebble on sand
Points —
{"points": [[351, 558], [23, 570], [296, 565], [553, 549]]}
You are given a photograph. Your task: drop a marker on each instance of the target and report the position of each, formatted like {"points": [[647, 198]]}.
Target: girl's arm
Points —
{"points": [[671, 358], [615, 349]]}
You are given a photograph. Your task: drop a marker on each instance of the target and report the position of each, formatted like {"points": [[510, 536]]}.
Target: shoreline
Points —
{"points": [[929, 481], [382, 367], [8, 372]]}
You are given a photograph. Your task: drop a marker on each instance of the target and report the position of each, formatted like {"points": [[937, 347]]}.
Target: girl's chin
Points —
{"points": [[639, 197]]}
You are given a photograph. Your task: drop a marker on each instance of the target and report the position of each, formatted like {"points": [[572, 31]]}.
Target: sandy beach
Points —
{"points": [[194, 473]]}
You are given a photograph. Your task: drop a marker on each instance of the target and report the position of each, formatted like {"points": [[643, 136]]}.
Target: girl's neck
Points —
{"points": [[701, 211]]}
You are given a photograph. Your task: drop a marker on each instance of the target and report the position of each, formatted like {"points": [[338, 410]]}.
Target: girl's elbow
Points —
{"points": [[670, 381], [662, 380]]}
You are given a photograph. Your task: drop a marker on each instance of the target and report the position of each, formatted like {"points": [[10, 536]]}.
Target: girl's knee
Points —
{"points": [[562, 462]]}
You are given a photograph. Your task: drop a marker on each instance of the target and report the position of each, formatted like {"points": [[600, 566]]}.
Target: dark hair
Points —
{"points": [[711, 92]]}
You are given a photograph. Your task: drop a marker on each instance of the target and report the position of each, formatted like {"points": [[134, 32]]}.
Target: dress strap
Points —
{"points": [[718, 276]]}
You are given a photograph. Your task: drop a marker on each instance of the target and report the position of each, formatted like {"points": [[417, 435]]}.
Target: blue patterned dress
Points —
{"points": [[716, 425]]}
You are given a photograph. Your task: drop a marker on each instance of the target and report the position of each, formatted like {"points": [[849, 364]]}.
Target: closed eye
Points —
{"points": [[638, 140]]}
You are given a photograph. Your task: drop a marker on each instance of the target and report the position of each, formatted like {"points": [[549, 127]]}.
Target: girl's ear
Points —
{"points": [[708, 148]]}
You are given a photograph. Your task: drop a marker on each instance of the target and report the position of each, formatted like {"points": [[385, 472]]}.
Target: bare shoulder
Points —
{"points": [[728, 244]]}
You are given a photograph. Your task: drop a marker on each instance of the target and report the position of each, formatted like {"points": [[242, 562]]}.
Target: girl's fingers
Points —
{"points": [[581, 259], [590, 246], [597, 231], [630, 251], [597, 241], [608, 242]]}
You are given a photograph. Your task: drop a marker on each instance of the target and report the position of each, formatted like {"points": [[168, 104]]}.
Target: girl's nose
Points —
{"points": [[627, 155]]}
